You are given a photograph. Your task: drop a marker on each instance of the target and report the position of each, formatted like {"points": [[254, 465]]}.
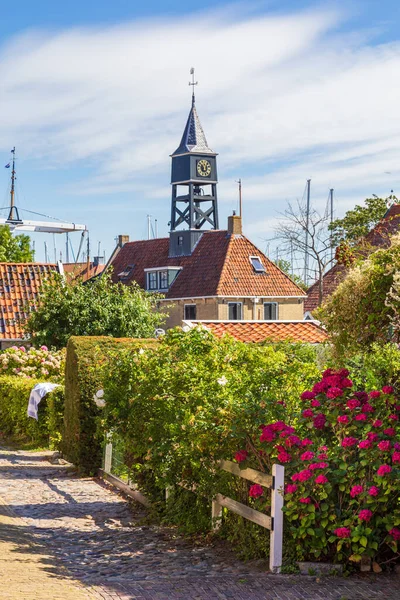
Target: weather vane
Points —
{"points": [[193, 83]]}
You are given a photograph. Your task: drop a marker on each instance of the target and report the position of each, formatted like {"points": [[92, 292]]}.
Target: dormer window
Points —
{"points": [[152, 280], [160, 279], [163, 280], [125, 273], [257, 264]]}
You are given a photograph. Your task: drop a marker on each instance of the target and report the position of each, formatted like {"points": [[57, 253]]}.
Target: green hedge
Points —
{"points": [[14, 397], [83, 435]]}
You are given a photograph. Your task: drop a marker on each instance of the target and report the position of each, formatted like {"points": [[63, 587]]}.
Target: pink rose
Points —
{"points": [[291, 488], [306, 442], [349, 441], [377, 423], [320, 465], [307, 395], [367, 408], [307, 413], [387, 389], [396, 457], [321, 479], [372, 436], [356, 490], [383, 470], [342, 532], [283, 456], [394, 417], [267, 435], [305, 500], [307, 455], [241, 456], [395, 533], [365, 515], [255, 491], [390, 431], [302, 475], [315, 403], [343, 419], [374, 394], [364, 444], [373, 491], [334, 392], [384, 446], [353, 403], [319, 421], [361, 417]]}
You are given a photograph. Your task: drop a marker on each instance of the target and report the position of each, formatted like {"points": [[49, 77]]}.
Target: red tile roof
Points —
{"points": [[80, 270], [260, 331], [218, 266], [19, 285], [378, 237]]}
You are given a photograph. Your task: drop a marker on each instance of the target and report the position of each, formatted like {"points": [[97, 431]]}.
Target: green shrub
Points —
{"points": [[14, 397], [33, 362], [83, 434]]}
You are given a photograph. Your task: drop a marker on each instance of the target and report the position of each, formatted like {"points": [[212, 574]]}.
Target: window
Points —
{"points": [[163, 280], [152, 280], [190, 312], [257, 264], [270, 311], [126, 272], [235, 311]]}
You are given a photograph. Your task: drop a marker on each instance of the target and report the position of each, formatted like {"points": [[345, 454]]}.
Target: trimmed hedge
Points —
{"points": [[14, 396], [83, 436]]}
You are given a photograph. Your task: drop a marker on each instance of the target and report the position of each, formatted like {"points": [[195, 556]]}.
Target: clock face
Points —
{"points": [[203, 168]]}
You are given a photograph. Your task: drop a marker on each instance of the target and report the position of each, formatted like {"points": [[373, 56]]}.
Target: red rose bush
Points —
{"points": [[341, 470]]}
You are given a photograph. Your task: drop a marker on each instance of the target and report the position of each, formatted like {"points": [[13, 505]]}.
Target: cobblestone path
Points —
{"points": [[62, 536]]}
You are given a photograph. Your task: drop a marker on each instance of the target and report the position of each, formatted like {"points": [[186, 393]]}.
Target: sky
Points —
{"points": [[95, 97]]}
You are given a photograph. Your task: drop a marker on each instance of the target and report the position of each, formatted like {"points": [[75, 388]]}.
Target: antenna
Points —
{"points": [[13, 214], [307, 225], [156, 228], [46, 258], [148, 227], [193, 83], [331, 207]]}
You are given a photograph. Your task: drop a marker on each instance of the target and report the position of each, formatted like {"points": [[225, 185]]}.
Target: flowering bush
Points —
{"points": [[342, 461], [40, 363]]}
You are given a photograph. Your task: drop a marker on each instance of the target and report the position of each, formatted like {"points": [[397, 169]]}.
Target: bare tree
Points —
{"points": [[307, 235]]}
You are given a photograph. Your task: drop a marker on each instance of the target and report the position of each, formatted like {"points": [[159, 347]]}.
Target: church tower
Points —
{"points": [[194, 186]]}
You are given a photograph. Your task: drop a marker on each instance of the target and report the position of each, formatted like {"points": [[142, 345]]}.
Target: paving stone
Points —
{"points": [[92, 539]]}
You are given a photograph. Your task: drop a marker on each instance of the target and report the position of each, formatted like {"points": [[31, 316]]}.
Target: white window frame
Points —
{"points": [[152, 289], [241, 311], [159, 279], [184, 312], [261, 263], [276, 311]]}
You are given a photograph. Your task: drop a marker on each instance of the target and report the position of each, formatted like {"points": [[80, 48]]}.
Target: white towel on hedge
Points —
{"points": [[37, 393]]}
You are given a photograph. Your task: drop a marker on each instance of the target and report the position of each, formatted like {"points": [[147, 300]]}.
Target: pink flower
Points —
{"points": [[395, 533], [367, 408], [307, 455], [396, 445], [372, 436], [315, 403], [387, 389], [327, 372], [377, 423], [361, 417], [390, 431], [396, 457], [320, 465], [346, 383], [349, 441], [374, 394], [291, 488], [302, 475], [322, 456], [267, 434], [394, 417], [343, 372], [305, 500], [343, 419], [384, 446], [307, 413], [321, 479], [241, 456], [365, 515], [356, 490], [319, 421], [22, 348], [383, 470], [283, 456], [373, 491], [306, 442], [334, 392], [320, 387], [44, 348], [364, 444], [293, 440], [255, 491], [307, 395], [279, 426], [353, 403], [342, 532], [323, 448]]}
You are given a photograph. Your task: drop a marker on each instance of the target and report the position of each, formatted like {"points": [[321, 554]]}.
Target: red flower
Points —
{"points": [[349, 441], [319, 421], [343, 419], [315, 403], [395, 533], [383, 470], [320, 387], [284, 457], [394, 417], [374, 394], [322, 456], [293, 440], [267, 434], [396, 457], [361, 417], [346, 383], [353, 403], [241, 456], [305, 500], [384, 445], [321, 479], [356, 490], [320, 465], [334, 392], [307, 395], [302, 475], [255, 491], [291, 488], [373, 491], [389, 431], [367, 408], [307, 413], [387, 389], [372, 436], [377, 423], [307, 455], [365, 515], [306, 442], [342, 532], [364, 444]]}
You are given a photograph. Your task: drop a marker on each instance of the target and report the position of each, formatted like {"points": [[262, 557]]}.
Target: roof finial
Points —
{"points": [[192, 83]]}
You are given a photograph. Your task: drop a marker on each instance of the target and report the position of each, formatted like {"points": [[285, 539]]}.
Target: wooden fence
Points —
{"points": [[274, 482]]}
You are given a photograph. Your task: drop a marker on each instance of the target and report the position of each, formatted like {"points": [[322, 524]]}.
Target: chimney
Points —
{"points": [[235, 224], [122, 239]]}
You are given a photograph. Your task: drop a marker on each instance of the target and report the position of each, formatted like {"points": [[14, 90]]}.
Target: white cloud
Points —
{"points": [[281, 98]]}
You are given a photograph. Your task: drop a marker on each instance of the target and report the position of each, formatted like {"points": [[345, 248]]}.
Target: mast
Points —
{"points": [[13, 214], [331, 207], [307, 225]]}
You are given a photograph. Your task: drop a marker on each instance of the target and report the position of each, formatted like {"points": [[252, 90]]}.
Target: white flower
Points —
{"points": [[99, 399], [141, 351], [222, 380]]}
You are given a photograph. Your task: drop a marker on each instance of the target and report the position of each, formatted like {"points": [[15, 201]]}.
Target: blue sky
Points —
{"points": [[94, 96]]}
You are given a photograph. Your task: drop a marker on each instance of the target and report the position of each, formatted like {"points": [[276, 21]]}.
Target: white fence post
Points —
{"points": [[108, 458], [275, 551], [216, 515]]}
